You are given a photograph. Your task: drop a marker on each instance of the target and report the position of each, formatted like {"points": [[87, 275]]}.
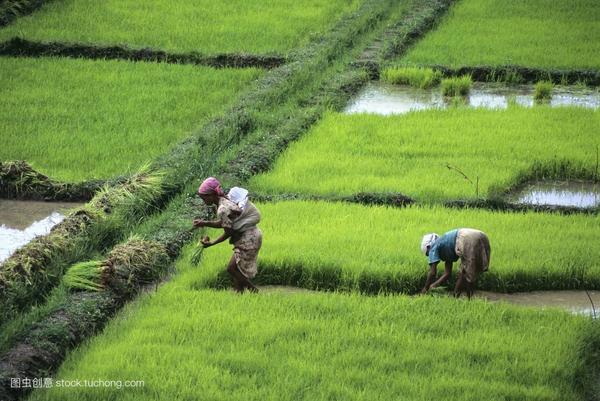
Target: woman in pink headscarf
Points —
{"points": [[238, 220]]}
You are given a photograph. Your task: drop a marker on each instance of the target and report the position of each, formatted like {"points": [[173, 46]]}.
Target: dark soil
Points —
{"points": [[18, 47]]}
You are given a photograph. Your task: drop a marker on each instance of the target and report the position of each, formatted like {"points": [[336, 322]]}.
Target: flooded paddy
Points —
{"points": [[22, 221], [573, 301], [571, 193], [382, 98]]}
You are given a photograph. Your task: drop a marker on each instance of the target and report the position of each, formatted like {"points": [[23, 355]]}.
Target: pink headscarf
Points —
{"points": [[211, 186]]}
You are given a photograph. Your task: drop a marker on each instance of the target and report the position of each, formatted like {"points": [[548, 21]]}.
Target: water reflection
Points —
{"points": [[382, 98], [573, 301], [22, 221], [577, 194]]}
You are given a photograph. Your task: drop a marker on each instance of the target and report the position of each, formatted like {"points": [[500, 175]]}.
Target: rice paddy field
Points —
{"points": [[203, 344], [337, 246], [547, 34], [209, 27], [80, 119], [343, 322], [427, 154]]}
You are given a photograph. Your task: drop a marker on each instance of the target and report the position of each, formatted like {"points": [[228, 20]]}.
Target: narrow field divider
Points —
{"points": [[402, 34], [521, 74], [18, 47], [18, 180], [400, 200]]}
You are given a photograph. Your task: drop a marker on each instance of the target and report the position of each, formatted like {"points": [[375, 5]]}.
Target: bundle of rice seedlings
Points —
{"points": [[196, 256], [18, 178], [543, 91], [127, 267], [457, 86], [137, 262], [31, 259], [414, 76], [141, 189], [85, 276]]}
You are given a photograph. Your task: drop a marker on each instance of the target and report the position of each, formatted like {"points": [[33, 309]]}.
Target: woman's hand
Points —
{"points": [[199, 223], [206, 242]]}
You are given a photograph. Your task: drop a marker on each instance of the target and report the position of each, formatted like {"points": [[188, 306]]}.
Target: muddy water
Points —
{"points": [[573, 301], [572, 193], [382, 98], [22, 221]]}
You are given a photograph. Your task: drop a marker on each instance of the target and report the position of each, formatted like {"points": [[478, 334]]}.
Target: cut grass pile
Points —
{"points": [[206, 26], [336, 246], [82, 119], [420, 154], [535, 33], [187, 344]]}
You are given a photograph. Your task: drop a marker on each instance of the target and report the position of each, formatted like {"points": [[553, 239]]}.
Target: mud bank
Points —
{"points": [[18, 47], [18, 180]]}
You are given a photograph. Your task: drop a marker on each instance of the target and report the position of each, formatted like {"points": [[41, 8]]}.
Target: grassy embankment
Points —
{"points": [[346, 154], [185, 344], [537, 33], [81, 119], [250, 26], [336, 246]]}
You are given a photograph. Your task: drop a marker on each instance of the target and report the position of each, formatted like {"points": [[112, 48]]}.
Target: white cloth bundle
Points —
{"points": [[250, 216], [428, 240], [239, 196]]}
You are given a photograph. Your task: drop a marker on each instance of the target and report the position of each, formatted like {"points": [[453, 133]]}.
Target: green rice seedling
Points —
{"points": [[456, 86], [137, 262], [560, 35], [543, 91], [410, 153], [84, 276], [319, 346], [337, 246], [205, 26], [129, 265], [196, 257], [138, 111], [418, 77]]}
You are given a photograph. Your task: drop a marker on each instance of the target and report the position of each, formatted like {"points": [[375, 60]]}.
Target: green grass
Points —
{"points": [[418, 77], [252, 26], [543, 91], [456, 86], [323, 245], [533, 33], [346, 154], [82, 119], [187, 344]]}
